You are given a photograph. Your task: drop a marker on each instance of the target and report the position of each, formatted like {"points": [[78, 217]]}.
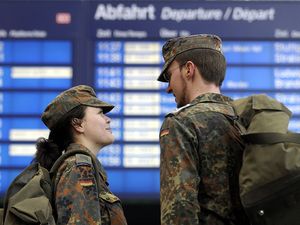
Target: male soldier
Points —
{"points": [[200, 147]]}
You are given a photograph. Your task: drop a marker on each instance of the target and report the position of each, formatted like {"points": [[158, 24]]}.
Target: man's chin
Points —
{"points": [[179, 105]]}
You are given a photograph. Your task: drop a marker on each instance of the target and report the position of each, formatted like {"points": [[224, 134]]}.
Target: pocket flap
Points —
{"points": [[263, 102], [27, 209]]}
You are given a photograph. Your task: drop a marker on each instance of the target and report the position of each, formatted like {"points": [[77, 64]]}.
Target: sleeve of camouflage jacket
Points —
{"points": [[77, 198], [179, 179]]}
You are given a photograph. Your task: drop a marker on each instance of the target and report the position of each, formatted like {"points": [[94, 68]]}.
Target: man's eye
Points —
{"points": [[167, 76]]}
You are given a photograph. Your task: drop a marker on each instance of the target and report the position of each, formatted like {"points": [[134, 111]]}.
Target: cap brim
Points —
{"points": [[161, 76], [100, 104], [107, 109]]}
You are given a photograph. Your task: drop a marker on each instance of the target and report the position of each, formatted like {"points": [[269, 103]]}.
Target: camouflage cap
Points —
{"points": [[68, 100], [175, 46]]}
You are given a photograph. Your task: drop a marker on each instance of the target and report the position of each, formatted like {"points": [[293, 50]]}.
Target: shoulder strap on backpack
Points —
{"points": [[229, 112], [1, 216], [271, 138]]}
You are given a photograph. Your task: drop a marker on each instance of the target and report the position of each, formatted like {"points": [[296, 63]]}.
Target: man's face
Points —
{"points": [[177, 84]]}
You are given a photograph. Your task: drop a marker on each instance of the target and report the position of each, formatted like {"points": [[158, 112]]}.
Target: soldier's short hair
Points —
{"points": [[211, 65], [178, 46]]}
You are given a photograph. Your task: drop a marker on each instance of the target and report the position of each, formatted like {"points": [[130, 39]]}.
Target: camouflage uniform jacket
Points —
{"points": [[77, 200], [200, 151]]}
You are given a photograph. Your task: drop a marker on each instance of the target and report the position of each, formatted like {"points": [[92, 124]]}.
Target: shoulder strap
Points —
{"points": [[1, 216], [271, 138], [227, 110]]}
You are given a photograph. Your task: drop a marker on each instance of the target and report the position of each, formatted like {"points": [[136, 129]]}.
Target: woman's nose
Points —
{"points": [[108, 120]]}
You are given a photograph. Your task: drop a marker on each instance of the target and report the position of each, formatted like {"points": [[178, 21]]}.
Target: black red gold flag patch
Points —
{"points": [[86, 182], [164, 132]]}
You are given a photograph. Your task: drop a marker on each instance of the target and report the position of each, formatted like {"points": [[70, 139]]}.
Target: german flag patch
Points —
{"points": [[164, 132], [86, 182]]}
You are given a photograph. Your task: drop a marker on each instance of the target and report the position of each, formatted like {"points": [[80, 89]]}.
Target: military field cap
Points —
{"points": [[175, 46], [68, 100]]}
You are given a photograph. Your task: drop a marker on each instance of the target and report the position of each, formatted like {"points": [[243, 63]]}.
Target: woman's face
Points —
{"points": [[96, 127]]}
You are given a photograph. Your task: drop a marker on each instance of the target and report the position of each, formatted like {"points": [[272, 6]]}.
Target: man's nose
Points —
{"points": [[169, 89]]}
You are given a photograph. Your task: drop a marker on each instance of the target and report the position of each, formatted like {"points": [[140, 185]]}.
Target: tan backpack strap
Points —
{"points": [[1, 216], [271, 138]]}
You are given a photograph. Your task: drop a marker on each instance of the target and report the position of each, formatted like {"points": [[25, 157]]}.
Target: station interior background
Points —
{"points": [[47, 46]]}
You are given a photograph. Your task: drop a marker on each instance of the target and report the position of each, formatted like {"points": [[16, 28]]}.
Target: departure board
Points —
{"points": [[115, 46]]}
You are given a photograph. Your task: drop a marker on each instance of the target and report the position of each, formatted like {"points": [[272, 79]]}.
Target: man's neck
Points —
{"points": [[211, 88]]}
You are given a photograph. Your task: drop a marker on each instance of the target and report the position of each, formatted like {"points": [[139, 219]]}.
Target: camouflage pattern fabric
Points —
{"points": [[200, 153], [77, 199]]}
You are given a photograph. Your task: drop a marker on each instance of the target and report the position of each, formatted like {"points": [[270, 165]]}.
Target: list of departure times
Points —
{"points": [[266, 66], [27, 67], [119, 54]]}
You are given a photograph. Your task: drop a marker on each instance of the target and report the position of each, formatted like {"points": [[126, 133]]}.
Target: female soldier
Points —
{"points": [[77, 121]]}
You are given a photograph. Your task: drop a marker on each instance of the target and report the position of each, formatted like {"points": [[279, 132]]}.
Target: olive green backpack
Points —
{"points": [[269, 178], [29, 198]]}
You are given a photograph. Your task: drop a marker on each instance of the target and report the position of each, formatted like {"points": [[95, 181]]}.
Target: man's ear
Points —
{"points": [[77, 124], [190, 69]]}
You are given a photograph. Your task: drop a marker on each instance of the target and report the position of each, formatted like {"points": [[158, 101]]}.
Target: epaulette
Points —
{"points": [[82, 159], [175, 112]]}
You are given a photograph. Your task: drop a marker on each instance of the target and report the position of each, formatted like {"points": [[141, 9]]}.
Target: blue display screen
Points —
{"points": [[28, 52], [119, 54]]}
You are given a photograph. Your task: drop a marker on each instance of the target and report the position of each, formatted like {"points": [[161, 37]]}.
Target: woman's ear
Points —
{"points": [[77, 124]]}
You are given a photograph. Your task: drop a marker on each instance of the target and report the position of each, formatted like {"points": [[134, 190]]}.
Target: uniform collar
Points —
{"points": [[211, 97], [76, 146]]}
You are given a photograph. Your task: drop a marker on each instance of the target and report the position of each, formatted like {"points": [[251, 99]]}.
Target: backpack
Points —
{"points": [[29, 198], [269, 178]]}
